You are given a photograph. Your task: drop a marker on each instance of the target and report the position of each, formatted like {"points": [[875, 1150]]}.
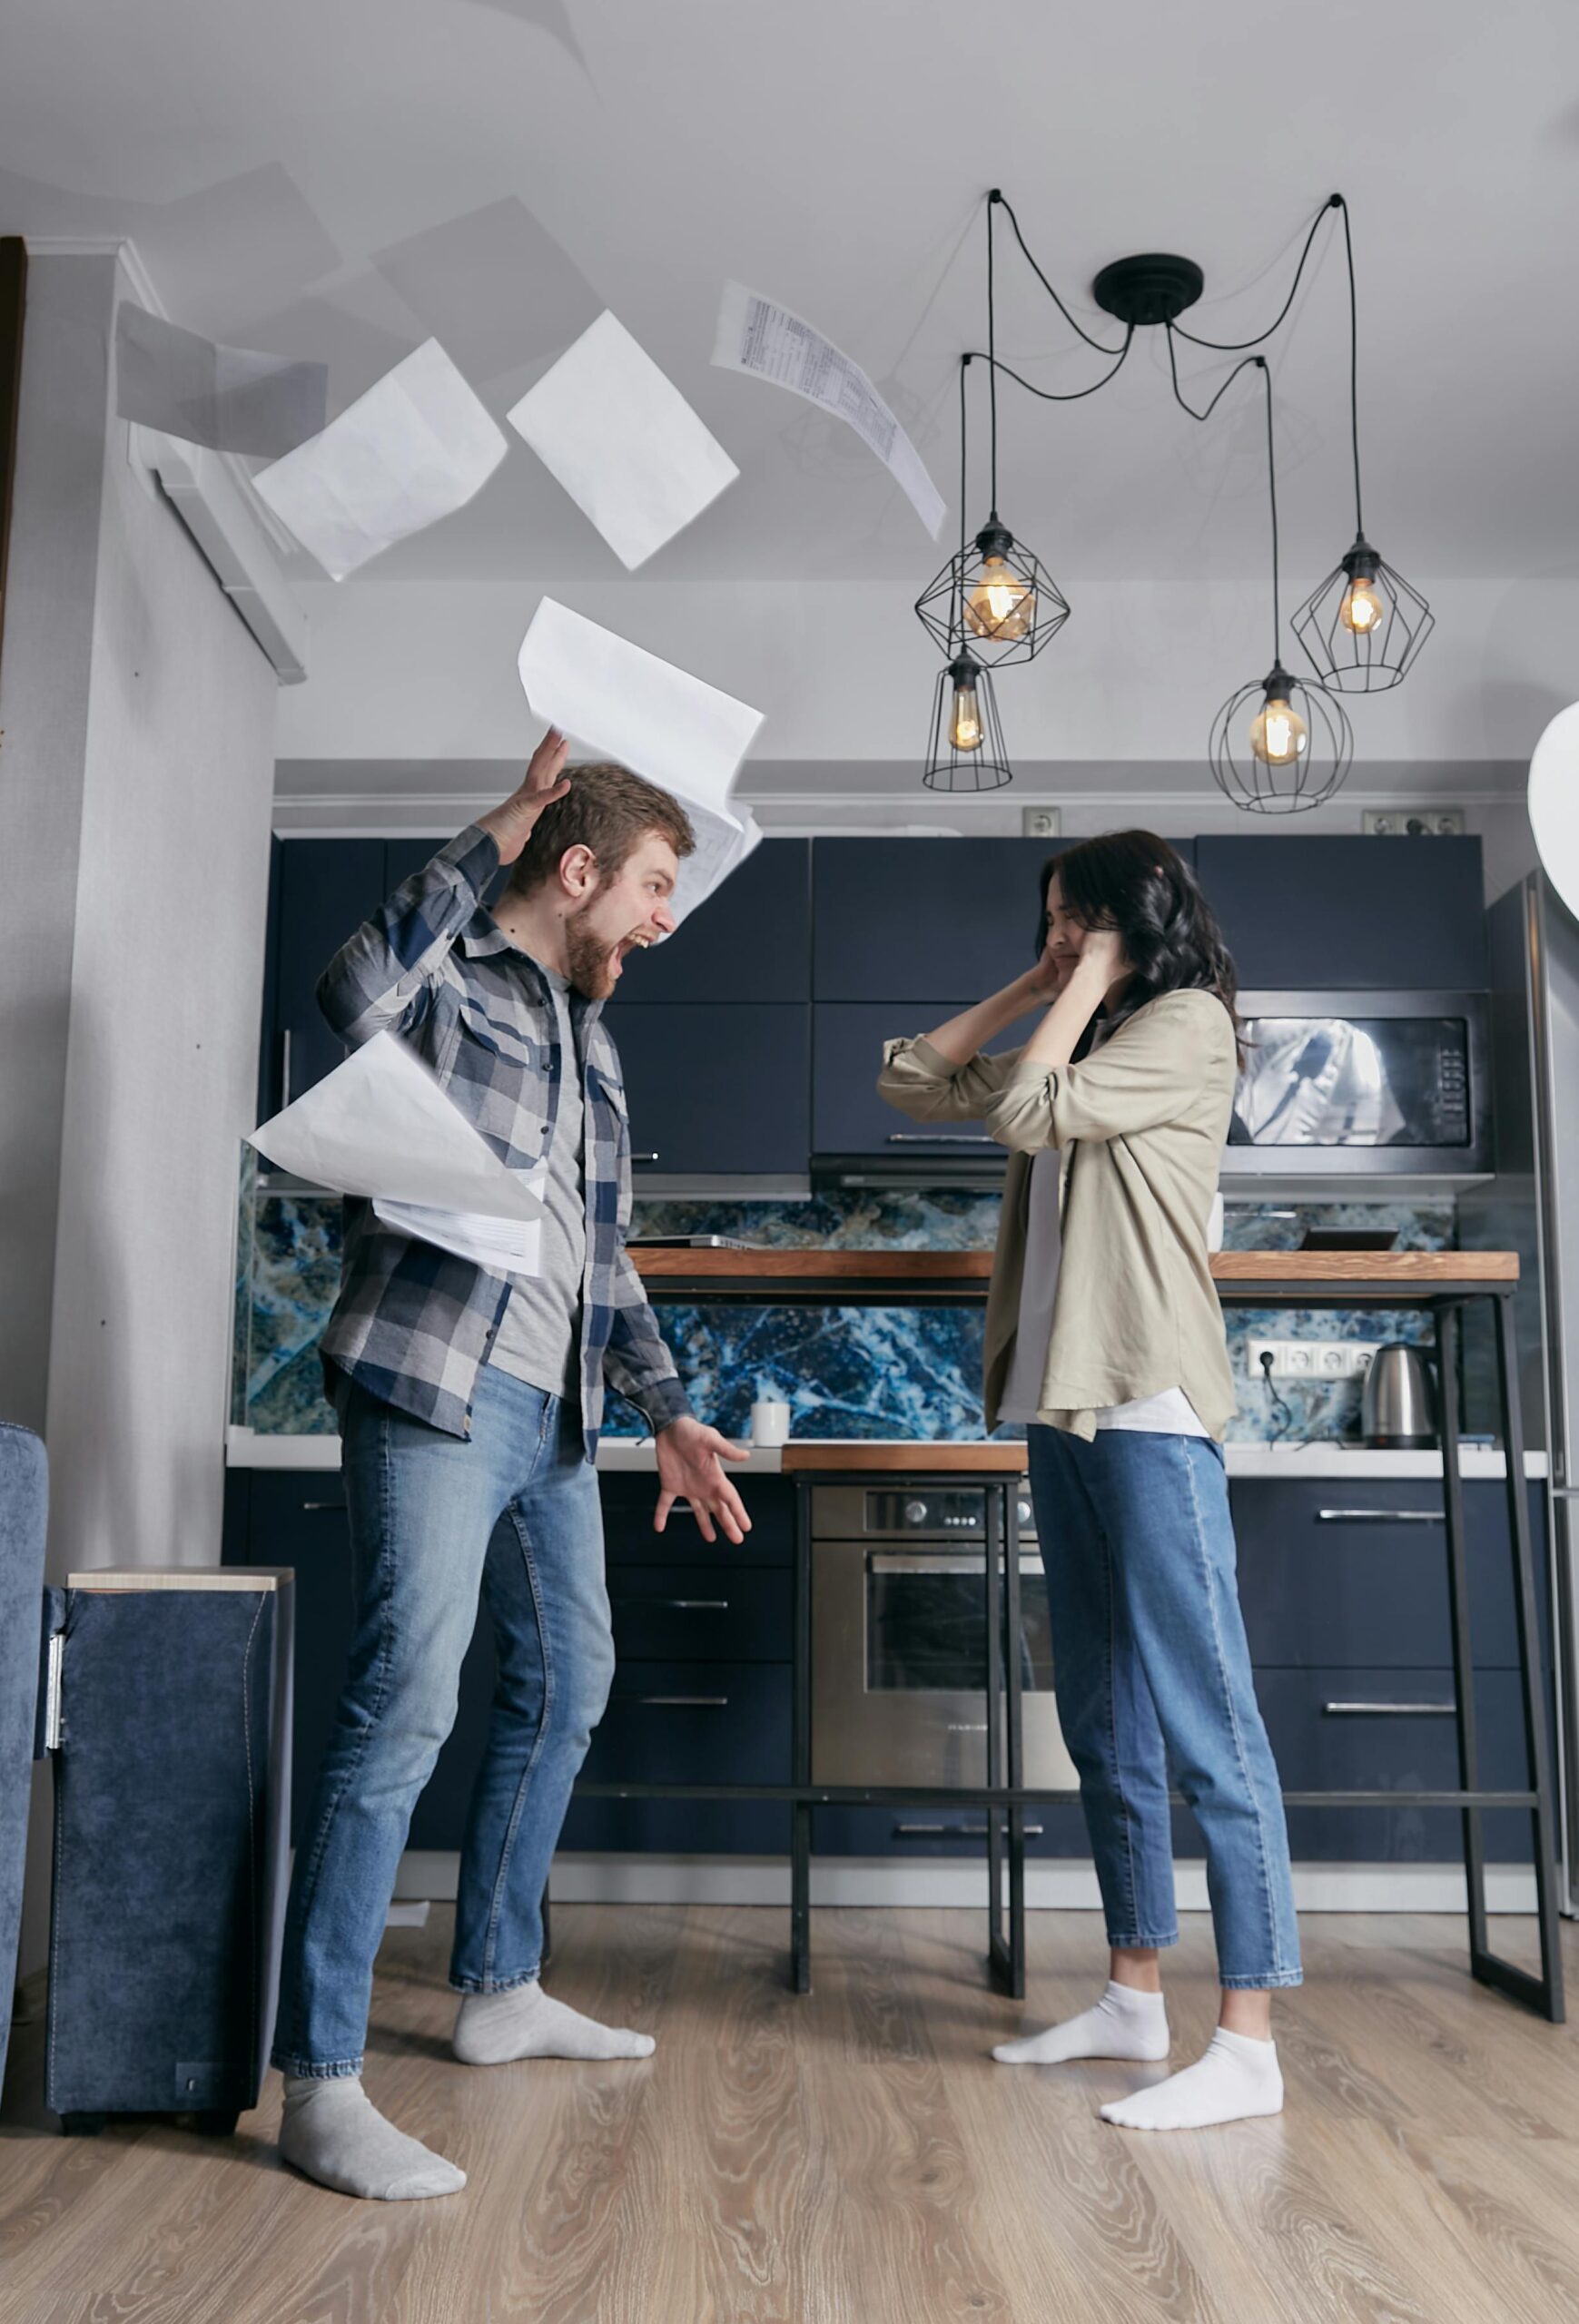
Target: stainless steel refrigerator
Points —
{"points": [[1531, 1206]]}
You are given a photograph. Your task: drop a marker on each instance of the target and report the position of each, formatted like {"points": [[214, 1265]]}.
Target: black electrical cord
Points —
{"points": [[1048, 395], [1353, 362], [1228, 383], [1234, 346], [997, 196], [1280, 1406]]}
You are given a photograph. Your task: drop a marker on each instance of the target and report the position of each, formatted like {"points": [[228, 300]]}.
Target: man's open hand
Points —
{"points": [[690, 1468], [543, 782]]}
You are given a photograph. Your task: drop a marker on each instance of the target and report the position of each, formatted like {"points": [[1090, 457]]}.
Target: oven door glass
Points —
{"points": [[926, 1623], [1354, 1081]]}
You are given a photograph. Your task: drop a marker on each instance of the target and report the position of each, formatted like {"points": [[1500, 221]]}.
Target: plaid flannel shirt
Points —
{"points": [[413, 1324]]}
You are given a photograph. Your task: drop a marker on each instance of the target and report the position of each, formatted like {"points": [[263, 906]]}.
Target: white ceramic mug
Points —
{"points": [[770, 1421]]}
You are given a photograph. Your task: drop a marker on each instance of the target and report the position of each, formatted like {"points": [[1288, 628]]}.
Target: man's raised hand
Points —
{"points": [[543, 781]]}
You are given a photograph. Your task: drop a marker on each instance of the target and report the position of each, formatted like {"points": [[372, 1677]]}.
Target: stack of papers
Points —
{"points": [[682, 734], [381, 1127], [623, 441], [418, 446]]}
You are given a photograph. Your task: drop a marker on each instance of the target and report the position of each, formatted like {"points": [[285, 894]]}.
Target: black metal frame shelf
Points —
{"points": [[1005, 1798]]}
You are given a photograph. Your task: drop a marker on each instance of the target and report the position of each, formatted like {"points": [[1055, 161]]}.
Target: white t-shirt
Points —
{"points": [[1169, 1413]]}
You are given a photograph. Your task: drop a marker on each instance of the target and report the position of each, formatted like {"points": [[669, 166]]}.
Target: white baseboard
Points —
{"points": [[1068, 1884]]}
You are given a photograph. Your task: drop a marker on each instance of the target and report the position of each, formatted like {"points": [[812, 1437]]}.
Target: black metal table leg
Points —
{"points": [[800, 1758], [998, 1968], [1447, 1345], [1014, 1650], [1545, 1991]]}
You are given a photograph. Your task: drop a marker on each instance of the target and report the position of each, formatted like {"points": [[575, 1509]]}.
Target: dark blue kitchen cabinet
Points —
{"points": [[1332, 1572], [327, 887], [923, 920], [1318, 910], [716, 1087], [750, 942], [848, 1116], [702, 1635]]}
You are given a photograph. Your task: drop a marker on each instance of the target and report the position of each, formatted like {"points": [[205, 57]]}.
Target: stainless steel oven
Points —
{"points": [[1359, 1084], [899, 1639]]}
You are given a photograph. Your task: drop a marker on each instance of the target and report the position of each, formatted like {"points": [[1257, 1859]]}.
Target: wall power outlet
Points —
{"points": [[1041, 822], [1314, 1359]]}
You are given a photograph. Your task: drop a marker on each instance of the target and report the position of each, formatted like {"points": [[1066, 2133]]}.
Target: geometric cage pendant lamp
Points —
{"points": [[1363, 628], [1278, 745]]}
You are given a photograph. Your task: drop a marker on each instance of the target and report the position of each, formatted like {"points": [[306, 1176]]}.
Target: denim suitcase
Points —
{"points": [[165, 1705]]}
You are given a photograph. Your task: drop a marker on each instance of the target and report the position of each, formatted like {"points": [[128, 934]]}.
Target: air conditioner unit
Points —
{"points": [[213, 498]]}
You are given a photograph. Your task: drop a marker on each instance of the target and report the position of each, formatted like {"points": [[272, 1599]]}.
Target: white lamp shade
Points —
{"points": [[1554, 803]]}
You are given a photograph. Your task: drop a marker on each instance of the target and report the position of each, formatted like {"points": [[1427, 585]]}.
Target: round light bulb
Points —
{"points": [[1000, 604], [966, 727], [1362, 607], [1277, 733]]}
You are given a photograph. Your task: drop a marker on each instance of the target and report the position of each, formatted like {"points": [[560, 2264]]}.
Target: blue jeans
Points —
{"points": [[1151, 1665], [513, 1512]]}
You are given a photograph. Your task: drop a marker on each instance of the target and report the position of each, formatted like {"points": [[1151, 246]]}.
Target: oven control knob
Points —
{"points": [[915, 1513]]}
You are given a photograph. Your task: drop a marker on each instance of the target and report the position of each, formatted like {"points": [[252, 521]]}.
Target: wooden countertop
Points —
{"points": [[806, 1455], [1410, 1270]]}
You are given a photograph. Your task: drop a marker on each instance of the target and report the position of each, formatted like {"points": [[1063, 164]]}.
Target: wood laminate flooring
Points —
{"points": [[855, 2157]]}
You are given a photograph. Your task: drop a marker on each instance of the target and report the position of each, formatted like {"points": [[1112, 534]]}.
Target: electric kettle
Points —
{"points": [[1398, 1407]]}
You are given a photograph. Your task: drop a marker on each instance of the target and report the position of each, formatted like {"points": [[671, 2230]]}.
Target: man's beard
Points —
{"points": [[587, 957]]}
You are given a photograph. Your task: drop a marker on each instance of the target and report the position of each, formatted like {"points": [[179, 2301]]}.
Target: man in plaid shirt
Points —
{"points": [[469, 1405]]}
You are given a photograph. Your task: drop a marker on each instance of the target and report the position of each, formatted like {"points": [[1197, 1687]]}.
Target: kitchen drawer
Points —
{"points": [[939, 1833], [629, 1498], [695, 1722], [1337, 1573], [702, 1613], [1358, 1748]]}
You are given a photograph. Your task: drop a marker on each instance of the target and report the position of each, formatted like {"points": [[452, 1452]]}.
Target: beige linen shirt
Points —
{"points": [[1141, 1122]]}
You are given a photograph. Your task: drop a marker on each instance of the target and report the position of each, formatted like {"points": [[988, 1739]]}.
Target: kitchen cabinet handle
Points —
{"points": [[313, 1507], [675, 1703], [644, 1158], [681, 1605], [284, 1070], [1379, 1517], [1389, 1710], [948, 1138], [953, 1831], [918, 1561]]}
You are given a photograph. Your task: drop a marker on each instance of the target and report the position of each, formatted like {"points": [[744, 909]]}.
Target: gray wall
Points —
{"points": [[135, 785]]}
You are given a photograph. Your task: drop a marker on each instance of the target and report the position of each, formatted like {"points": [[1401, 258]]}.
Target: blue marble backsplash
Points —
{"points": [[869, 1371]]}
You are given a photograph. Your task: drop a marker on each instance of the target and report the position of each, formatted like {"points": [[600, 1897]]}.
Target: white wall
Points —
{"points": [[135, 788]]}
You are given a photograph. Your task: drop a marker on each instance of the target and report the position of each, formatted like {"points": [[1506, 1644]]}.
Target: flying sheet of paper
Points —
{"points": [[380, 1126], [681, 733], [755, 335], [230, 398], [623, 441], [418, 446]]}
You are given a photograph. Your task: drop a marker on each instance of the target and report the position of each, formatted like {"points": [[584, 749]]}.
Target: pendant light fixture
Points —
{"points": [[1278, 745], [1363, 626], [994, 592], [966, 750]]}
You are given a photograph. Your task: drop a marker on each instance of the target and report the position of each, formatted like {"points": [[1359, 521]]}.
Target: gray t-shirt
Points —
{"points": [[540, 1334]]}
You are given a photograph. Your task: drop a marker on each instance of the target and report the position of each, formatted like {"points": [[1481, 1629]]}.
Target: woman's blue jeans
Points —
{"points": [[513, 1512], [1151, 1667]]}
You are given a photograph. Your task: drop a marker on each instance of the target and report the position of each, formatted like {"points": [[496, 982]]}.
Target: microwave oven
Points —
{"points": [[1359, 1084]]}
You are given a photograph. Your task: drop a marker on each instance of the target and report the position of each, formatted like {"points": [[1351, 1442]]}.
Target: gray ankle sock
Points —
{"points": [[332, 2131], [523, 2022]]}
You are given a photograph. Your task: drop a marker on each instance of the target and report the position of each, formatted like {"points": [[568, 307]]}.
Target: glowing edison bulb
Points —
{"points": [[966, 726], [1000, 604], [1363, 606], [1277, 733]]}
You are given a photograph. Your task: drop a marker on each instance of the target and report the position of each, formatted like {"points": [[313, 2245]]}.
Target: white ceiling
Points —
{"points": [[338, 180]]}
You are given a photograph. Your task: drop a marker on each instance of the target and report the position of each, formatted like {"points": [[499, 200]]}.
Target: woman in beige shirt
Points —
{"points": [[1105, 1336]]}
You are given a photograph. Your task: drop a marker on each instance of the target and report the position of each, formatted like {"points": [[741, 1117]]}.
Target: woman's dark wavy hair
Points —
{"points": [[1135, 883]]}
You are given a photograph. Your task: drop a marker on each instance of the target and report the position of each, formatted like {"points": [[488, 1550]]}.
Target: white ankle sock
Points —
{"points": [[1125, 2023], [522, 2021], [332, 2131], [1238, 2077]]}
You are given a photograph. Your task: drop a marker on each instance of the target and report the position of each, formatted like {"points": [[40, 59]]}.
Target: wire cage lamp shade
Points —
{"points": [[999, 595], [965, 748], [1280, 746], [1362, 629]]}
